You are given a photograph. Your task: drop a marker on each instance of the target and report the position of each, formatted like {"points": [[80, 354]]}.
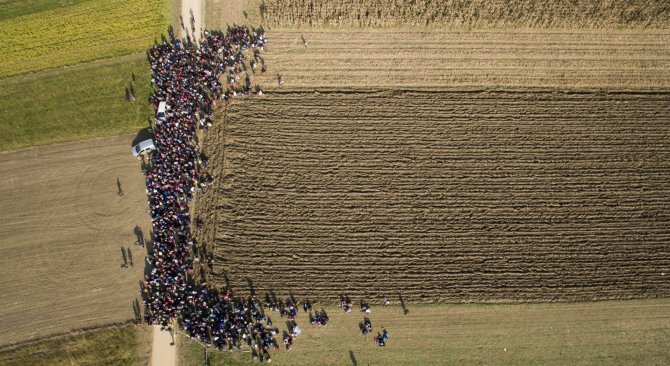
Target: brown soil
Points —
{"points": [[62, 226], [443, 196]]}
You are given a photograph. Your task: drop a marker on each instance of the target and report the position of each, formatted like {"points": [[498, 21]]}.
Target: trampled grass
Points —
{"points": [[192, 353], [115, 346], [84, 101], [89, 30]]}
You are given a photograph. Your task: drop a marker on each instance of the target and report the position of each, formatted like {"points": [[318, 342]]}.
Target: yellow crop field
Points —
{"points": [[86, 31]]}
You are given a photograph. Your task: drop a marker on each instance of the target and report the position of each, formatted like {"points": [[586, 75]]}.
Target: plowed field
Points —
{"points": [[443, 196]]}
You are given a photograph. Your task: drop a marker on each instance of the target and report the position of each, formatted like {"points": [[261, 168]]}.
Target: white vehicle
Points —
{"points": [[162, 106], [143, 147]]}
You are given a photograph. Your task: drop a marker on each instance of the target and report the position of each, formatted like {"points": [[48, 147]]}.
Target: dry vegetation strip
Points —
{"points": [[85, 31], [128, 345], [416, 58], [470, 13], [482, 196], [221, 13], [62, 227], [602, 333]]}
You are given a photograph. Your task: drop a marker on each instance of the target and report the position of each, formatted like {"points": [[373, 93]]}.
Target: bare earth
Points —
{"points": [[162, 352], [62, 226], [197, 8], [443, 196]]}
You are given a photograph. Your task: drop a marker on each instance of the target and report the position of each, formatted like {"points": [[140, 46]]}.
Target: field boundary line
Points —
{"points": [[109, 61], [462, 89]]}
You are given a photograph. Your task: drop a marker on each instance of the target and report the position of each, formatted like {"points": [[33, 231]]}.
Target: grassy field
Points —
{"points": [[191, 353], [78, 102], [601, 333], [52, 103], [84, 31], [128, 345], [470, 13]]}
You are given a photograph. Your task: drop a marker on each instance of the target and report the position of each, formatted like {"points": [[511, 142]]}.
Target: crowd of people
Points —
{"points": [[186, 77]]}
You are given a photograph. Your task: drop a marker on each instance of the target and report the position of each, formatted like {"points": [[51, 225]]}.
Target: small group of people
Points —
{"points": [[345, 303], [319, 318], [381, 338], [366, 325]]}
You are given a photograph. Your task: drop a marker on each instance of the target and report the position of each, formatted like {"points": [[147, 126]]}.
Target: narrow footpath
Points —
{"points": [[195, 7], [163, 350]]}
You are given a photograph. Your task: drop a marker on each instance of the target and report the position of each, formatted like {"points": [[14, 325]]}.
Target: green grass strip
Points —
{"points": [[81, 102]]}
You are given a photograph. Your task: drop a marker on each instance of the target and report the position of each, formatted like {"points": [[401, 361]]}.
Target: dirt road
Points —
{"points": [[62, 227], [197, 9], [163, 350]]}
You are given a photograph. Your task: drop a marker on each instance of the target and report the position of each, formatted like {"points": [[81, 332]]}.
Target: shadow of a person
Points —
{"points": [[353, 358], [118, 187]]}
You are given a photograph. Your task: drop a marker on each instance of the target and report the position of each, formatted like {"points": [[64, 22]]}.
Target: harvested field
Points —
{"points": [[221, 13], [443, 196], [419, 58], [62, 227]]}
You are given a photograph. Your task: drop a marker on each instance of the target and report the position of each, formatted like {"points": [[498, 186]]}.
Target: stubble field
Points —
{"points": [[428, 58], [62, 227], [443, 196]]}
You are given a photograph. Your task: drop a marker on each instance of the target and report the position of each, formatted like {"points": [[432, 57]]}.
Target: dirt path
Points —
{"points": [[163, 351], [197, 8], [62, 227]]}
